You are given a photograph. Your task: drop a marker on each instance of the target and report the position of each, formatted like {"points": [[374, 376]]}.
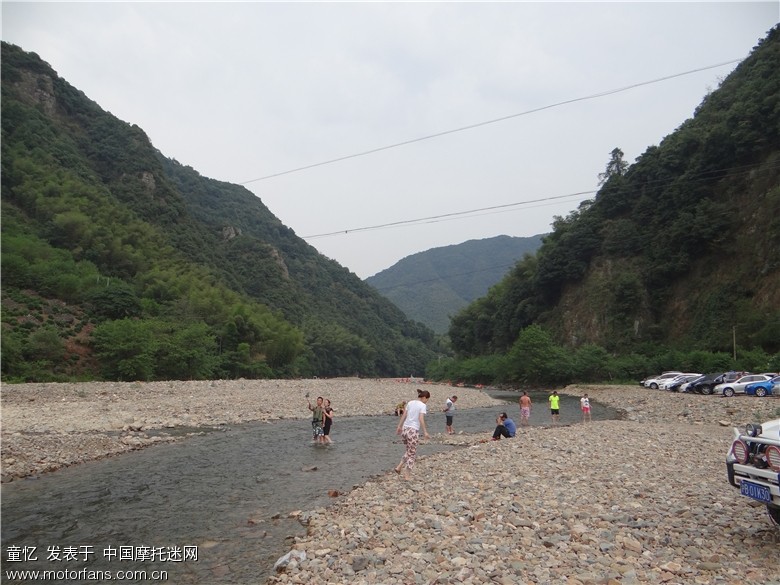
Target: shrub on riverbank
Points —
{"points": [[536, 359]]}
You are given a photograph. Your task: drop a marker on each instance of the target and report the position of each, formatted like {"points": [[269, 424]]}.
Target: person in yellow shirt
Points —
{"points": [[555, 411]]}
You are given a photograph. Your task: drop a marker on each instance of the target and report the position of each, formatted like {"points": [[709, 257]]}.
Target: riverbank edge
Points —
{"points": [[47, 427], [643, 499]]}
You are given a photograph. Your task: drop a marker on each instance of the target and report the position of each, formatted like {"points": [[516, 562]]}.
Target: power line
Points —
{"points": [[457, 214], [741, 170], [494, 121], [708, 175]]}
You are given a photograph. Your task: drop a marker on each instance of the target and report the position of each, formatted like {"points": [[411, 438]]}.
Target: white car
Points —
{"points": [[753, 465], [738, 386], [677, 381], [656, 381]]}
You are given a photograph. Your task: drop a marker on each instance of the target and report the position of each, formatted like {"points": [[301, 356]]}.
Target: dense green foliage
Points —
{"points": [[536, 359], [679, 252], [123, 264], [432, 286]]}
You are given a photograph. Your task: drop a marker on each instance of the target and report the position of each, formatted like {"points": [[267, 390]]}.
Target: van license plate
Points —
{"points": [[755, 491]]}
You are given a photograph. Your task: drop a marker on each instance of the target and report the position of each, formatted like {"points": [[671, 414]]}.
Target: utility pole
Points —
{"points": [[734, 341]]}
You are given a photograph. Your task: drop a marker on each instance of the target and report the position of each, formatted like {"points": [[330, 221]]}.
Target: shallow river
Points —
{"points": [[211, 508]]}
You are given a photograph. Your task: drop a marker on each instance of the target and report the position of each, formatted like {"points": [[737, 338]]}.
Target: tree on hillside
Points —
{"points": [[616, 167]]}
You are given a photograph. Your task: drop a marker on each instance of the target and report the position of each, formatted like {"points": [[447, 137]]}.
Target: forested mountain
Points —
{"points": [[433, 285], [680, 249], [119, 262]]}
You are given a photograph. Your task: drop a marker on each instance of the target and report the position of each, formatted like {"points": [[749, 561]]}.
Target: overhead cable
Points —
{"points": [[708, 175], [445, 215], [494, 121]]}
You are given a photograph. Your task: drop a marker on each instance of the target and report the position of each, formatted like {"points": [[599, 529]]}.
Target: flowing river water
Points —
{"points": [[213, 508]]}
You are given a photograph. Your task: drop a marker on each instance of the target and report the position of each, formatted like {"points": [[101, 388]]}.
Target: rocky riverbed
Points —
{"points": [[634, 501], [49, 426], [638, 500]]}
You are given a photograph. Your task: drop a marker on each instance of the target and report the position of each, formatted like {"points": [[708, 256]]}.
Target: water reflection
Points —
{"points": [[225, 494]]}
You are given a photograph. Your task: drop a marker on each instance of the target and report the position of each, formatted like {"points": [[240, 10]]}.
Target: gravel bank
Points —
{"points": [[49, 426], [635, 501]]}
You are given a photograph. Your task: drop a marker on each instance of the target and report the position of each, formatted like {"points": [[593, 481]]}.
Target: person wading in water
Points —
{"points": [[409, 427]]}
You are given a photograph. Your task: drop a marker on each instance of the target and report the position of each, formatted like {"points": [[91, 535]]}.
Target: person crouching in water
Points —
{"points": [[412, 420], [505, 427]]}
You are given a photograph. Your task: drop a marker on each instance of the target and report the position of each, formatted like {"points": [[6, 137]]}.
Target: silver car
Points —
{"points": [[738, 386]]}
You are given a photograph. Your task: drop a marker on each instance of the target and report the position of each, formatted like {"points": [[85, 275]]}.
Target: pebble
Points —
{"points": [[620, 502], [639, 500], [73, 423]]}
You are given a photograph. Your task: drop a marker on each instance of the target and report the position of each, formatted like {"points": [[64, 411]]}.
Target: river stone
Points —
{"points": [[576, 487]]}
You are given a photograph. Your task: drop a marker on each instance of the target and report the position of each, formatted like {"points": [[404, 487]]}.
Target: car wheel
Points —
{"points": [[728, 392], [654, 386], [761, 392], [774, 514], [706, 390]]}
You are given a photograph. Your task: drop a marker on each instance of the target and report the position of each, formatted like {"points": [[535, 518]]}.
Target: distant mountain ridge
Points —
{"points": [[433, 285]]}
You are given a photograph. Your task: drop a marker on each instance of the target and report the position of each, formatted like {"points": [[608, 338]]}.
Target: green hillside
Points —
{"points": [[679, 251], [120, 263], [433, 285]]}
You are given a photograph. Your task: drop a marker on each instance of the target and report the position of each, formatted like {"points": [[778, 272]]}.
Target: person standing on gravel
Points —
{"points": [[525, 409], [409, 427], [555, 409], [449, 411]]}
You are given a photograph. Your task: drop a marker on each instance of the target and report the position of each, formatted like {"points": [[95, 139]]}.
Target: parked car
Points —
{"points": [[765, 388], [664, 384], [654, 381], [738, 386], [689, 385], [753, 465], [674, 384], [708, 383]]}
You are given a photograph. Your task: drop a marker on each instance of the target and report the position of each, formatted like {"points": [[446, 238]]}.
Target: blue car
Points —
{"points": [[764, 388]]}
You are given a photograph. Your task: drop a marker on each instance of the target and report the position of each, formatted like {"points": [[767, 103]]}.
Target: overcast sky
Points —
{"points": [[240, 91]]}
